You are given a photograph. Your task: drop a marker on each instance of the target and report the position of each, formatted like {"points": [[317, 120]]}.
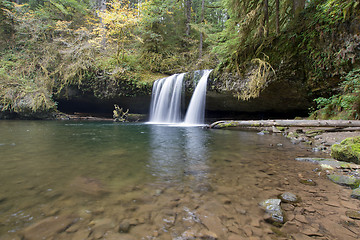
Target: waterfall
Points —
{"points": [[196, 110], [166, 99]]}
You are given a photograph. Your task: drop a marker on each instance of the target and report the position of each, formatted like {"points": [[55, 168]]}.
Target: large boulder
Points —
{"points": [[348, 150]]}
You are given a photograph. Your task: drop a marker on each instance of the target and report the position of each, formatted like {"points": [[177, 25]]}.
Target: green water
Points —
{"points": [[40, 160]]}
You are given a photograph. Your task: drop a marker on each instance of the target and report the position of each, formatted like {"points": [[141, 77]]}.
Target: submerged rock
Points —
{"points": [[345, 180], [47, 227], [124, 227], [288, 197], [348, 150], [312, 160], [273, 208], [89, 186], [309, 182], [353, 214]]}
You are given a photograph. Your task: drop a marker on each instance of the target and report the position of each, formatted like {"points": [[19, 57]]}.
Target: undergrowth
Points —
{"points": [[346, 104]]}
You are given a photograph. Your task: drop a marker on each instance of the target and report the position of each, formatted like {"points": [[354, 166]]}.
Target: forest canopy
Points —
{"points": [[48, 45]]}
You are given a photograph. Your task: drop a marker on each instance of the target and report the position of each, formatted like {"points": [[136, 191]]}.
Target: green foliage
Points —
{"points": [[6, 23], [345, 105], [165, 47]]}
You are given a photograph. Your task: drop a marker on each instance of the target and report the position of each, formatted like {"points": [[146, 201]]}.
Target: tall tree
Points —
{"points": [[201, 29], [298, 6], [277, 16], [266, 17], [188, 4]]}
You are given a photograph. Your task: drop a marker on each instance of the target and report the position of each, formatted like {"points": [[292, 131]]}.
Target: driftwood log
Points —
{"points": [[286, 123]]}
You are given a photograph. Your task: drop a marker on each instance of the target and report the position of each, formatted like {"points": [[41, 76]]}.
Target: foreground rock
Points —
{"points": [[288, 197], [356, 193], [348, 150], [349, 181], [273, 208]]}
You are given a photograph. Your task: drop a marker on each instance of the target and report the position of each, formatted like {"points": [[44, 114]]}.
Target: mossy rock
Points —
{"points": [[356, 193], [348, 150], [344, 180]]}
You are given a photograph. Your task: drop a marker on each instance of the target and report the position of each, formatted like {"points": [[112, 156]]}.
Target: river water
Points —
{"points": [[159, 181]]}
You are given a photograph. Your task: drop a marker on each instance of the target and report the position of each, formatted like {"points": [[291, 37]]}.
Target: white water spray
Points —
{"points": [[166, 99], [196, 111]]}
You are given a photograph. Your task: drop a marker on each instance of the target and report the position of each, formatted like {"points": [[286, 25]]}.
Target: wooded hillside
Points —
{"points": [[121, 47]]}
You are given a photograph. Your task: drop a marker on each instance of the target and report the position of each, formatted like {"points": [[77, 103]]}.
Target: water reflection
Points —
{"points": [[178, 152]]}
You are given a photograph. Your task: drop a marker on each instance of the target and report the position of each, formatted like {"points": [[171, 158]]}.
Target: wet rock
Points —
{"points": [[300, 236], [2, 199], [353, 214], [345, 180], [89, 186], [118, 236], [235, 237], [188, 235], [301, 218], [288, 197], [203, 188], [326, 167], [263, 132], [47, 227], [356, 193], [272, 207], [207, 235], [124, 227], [289, 227], [212, 223], [348, 150], [81, 234], [309, 182], [101, 226]]}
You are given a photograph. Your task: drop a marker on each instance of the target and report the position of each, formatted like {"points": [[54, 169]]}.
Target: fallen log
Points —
{"points": [[286, 123]]}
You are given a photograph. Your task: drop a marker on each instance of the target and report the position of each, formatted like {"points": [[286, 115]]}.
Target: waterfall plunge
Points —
{"points": [[166, 98], [196, 110], [165, 105]]}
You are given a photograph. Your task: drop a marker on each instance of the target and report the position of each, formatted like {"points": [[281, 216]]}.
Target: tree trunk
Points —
{"points": [[201, 33], [188, 16], [298, 6], [266, 17], [286, 123], [277, 16], [102, 8]]}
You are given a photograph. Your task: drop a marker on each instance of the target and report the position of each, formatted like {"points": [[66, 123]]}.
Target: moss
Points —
{"points": [[309, 182], [349, 181], [313, 133], [226, 125], [292, 135], [348, 150], [281, 128]]}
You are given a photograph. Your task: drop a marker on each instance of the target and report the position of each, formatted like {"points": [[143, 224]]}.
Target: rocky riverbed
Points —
{"points": [[230, 201]]}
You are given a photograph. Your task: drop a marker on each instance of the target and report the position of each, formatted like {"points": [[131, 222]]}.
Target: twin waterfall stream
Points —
{"points": [[166, 101]]}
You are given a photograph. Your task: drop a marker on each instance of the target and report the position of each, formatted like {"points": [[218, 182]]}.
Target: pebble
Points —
{"points": [[288, 197], [309, 182], [124, 227], [353, 214]]}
